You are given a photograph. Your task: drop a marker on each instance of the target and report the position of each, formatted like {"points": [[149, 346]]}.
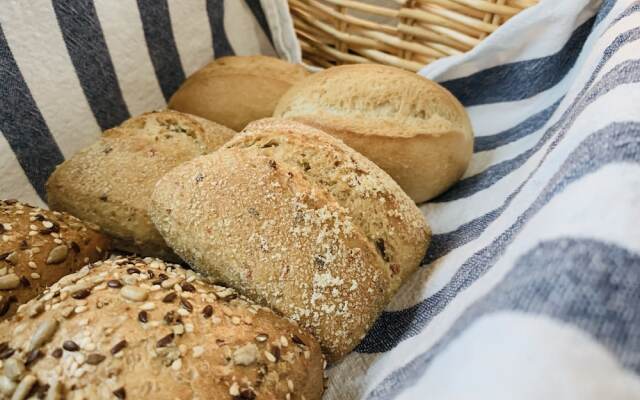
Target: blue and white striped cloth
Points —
{"points": [[531, 288]]}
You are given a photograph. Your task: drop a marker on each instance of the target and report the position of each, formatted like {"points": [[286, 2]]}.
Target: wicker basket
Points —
{"points": [[403, 33]]}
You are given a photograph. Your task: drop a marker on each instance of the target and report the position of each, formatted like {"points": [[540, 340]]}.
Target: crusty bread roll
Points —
{"points": [[37, 248], [234, 91], [298, 221], [110, 182], [413, 128], [142, 329]]}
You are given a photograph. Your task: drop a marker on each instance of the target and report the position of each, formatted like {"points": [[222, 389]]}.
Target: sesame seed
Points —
{"points": [[269, 356], [234, 389], [148, 306], [187, 287], [56, 353], [35, 275], [198, 351], [262, 337], [176, 365], [32, 265]]}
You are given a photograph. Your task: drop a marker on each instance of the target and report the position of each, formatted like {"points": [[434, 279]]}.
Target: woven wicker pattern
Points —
{"points": [[403, 33]]}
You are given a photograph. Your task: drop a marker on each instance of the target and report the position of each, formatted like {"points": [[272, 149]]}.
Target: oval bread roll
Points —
{"points": [[110, 182], [38, 247], [139, 328], [411, 127], [234, 91], [298, 221]]}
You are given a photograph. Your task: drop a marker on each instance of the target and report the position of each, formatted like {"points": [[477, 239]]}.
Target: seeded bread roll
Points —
{"points": [[139, 328], [411, 127], [38, 247], [234, 91], [110, 182], [298, 221]]}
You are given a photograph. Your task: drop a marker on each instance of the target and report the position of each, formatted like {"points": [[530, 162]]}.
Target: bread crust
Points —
{"points": [[110, 182], [411, 127], [234, 91], [38, 247], [139, 328], [263, 222]]}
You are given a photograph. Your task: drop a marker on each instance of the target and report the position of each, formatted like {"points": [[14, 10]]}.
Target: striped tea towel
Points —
{"points": [[531, 288], [72, 68]]}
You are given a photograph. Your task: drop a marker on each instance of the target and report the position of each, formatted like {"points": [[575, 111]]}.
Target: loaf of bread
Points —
{"points": [[298, 221], [37, 248], [142, 329], [411, 127], [234, 91], [110, 182]]}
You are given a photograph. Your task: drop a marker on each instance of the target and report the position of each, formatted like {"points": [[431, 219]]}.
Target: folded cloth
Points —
{"points": [[531, 288]]}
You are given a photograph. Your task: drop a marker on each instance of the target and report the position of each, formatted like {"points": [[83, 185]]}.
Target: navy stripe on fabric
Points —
{"points": [[618, 142], [525, 128], [634, 8], [564, 280], [393, 327], [22, 124], [88, 50], [473, 184], [443, 243], [605, 9], [258, 14], [158, 33], [221, 45], [520, 80]]}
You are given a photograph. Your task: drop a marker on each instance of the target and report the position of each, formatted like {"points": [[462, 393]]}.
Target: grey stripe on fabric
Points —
{"points": [[473, 184], [258, 14], [616, 143], [158, 34], [89, 54], [520, 80], [221, 45], [22, 124], [393, 327]]}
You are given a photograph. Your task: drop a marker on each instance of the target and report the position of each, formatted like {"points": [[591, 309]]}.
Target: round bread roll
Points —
{"points": [[38, 247], [139, 328], [234, 91], [110, 182], [298, 221], [411, 127]]}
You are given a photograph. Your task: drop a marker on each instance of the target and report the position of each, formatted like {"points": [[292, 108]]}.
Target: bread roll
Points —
{"points": [[297, 221], [234, 91], [142, 329], [38, 247], [110, 182], [413, 128]]}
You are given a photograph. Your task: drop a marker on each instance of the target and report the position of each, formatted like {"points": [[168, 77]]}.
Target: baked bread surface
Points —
{"points": [[38, 247], [140, 328], [295, 219], [110, 182], [234, 91], [411, 127]]}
